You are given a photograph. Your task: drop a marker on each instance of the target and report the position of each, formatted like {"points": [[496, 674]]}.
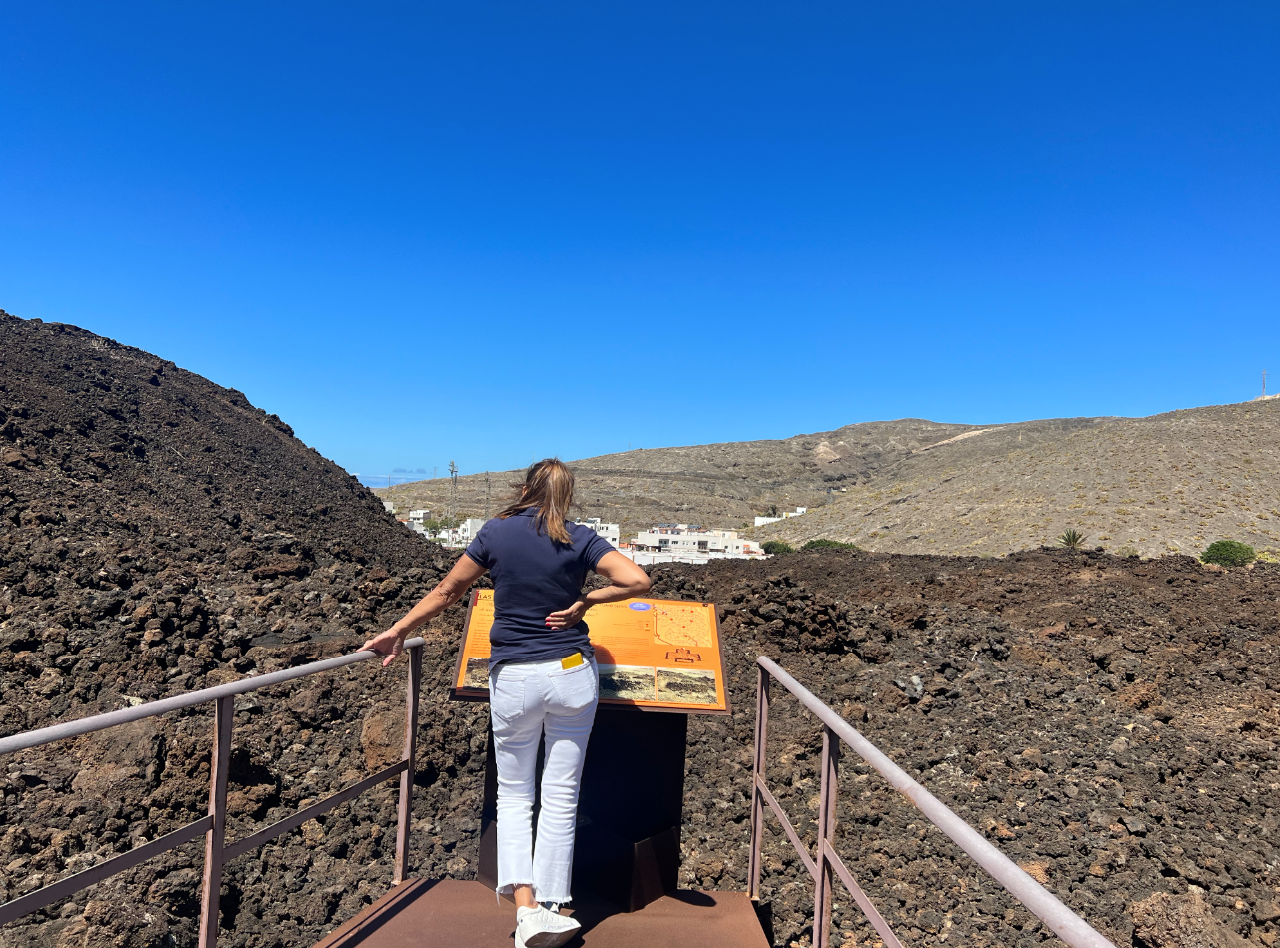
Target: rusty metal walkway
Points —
{"points": [[453, 914], [462, 914]]}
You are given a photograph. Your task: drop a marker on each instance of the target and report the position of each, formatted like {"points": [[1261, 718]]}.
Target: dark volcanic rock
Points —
{"points": [[158, 534], [1110, 724]]}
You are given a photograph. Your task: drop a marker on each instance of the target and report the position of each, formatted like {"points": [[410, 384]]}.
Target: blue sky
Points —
{"points": [[484, 232]]}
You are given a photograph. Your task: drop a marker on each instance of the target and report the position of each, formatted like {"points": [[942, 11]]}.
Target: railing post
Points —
{"points": [[406, 779], [223, 715], [823, 890], [757, 775]]}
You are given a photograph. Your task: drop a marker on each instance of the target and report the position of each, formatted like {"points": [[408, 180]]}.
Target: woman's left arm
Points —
{"points": [[450, 589], [626, 581]]}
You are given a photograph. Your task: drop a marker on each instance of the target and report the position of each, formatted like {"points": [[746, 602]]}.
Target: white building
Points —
{"points": [[610, 531], [452, 537], [468, 529], [761, 521], [691, 540], [419, 516]]}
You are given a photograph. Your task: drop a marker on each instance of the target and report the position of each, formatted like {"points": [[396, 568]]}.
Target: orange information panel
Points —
{"points": [[652, 653]]}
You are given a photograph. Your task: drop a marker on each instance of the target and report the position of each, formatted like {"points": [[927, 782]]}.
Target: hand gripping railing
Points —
{"points": [[1069, 926], [213, 826]]}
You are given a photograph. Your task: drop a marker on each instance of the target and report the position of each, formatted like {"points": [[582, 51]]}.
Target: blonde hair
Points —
{"points": [[548, 485]]}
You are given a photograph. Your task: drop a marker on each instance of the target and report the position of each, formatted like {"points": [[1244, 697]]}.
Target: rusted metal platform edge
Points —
{"points": [[374, 915], [434, 913]]}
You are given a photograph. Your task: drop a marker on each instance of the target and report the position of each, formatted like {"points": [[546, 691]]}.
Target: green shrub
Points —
{"points": [[1128, 553], [774, 547], [1228, 553], [1072, 539], [828, 545]]}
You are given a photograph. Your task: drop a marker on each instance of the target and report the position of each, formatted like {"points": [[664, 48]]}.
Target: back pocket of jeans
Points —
{"points": [[506, 696], [576, 687]]}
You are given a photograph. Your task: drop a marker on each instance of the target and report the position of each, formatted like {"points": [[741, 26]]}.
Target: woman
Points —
{"points": [[542, 680]]}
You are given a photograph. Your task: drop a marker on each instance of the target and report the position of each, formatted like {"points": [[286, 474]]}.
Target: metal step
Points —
{"points": [[452, 914]]}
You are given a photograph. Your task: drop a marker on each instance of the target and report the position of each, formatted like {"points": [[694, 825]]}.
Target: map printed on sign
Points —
{"points": [[652, 653]]}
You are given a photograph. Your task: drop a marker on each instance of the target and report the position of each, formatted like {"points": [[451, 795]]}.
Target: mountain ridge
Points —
{"points": [[844, 475]]}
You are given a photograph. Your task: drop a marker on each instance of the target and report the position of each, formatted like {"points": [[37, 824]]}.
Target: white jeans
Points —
{"points": [[525, 700]]}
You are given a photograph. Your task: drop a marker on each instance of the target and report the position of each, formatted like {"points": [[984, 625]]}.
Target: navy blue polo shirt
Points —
{"points": [[533, 577]]}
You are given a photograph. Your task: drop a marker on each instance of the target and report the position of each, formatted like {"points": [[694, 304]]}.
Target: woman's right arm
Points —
{"points": [[626, 581], [450, 589]]}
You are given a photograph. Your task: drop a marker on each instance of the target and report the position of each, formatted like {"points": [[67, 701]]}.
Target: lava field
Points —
{"points": [[1109, 723]]}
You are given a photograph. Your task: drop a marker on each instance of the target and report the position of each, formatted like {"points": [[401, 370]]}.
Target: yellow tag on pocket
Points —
{"points": [[573, 661]]}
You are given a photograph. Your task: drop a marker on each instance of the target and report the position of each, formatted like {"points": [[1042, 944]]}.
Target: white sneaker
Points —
{"points": [[541, 928]]}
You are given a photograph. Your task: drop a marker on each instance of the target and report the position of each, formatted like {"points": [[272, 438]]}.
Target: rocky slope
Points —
{"points": [[1111, 724], [1168, 483], [158, 534]]}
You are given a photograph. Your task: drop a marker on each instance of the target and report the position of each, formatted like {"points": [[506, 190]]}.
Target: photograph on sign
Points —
{"points": [[652, 653]]}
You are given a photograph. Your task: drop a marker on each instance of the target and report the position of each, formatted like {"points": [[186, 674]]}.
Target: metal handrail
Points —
{"points": [[1069, 926], [213, 826], [96, 722]]}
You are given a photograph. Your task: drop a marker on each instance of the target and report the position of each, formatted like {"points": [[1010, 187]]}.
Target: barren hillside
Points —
{"points": [[1167, 483], [727, 485]]}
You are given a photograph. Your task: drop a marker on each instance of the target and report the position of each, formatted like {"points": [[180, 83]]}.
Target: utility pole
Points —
{"points": [[453, 491], [1264, 383], [488, 486], [433, 472]]}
